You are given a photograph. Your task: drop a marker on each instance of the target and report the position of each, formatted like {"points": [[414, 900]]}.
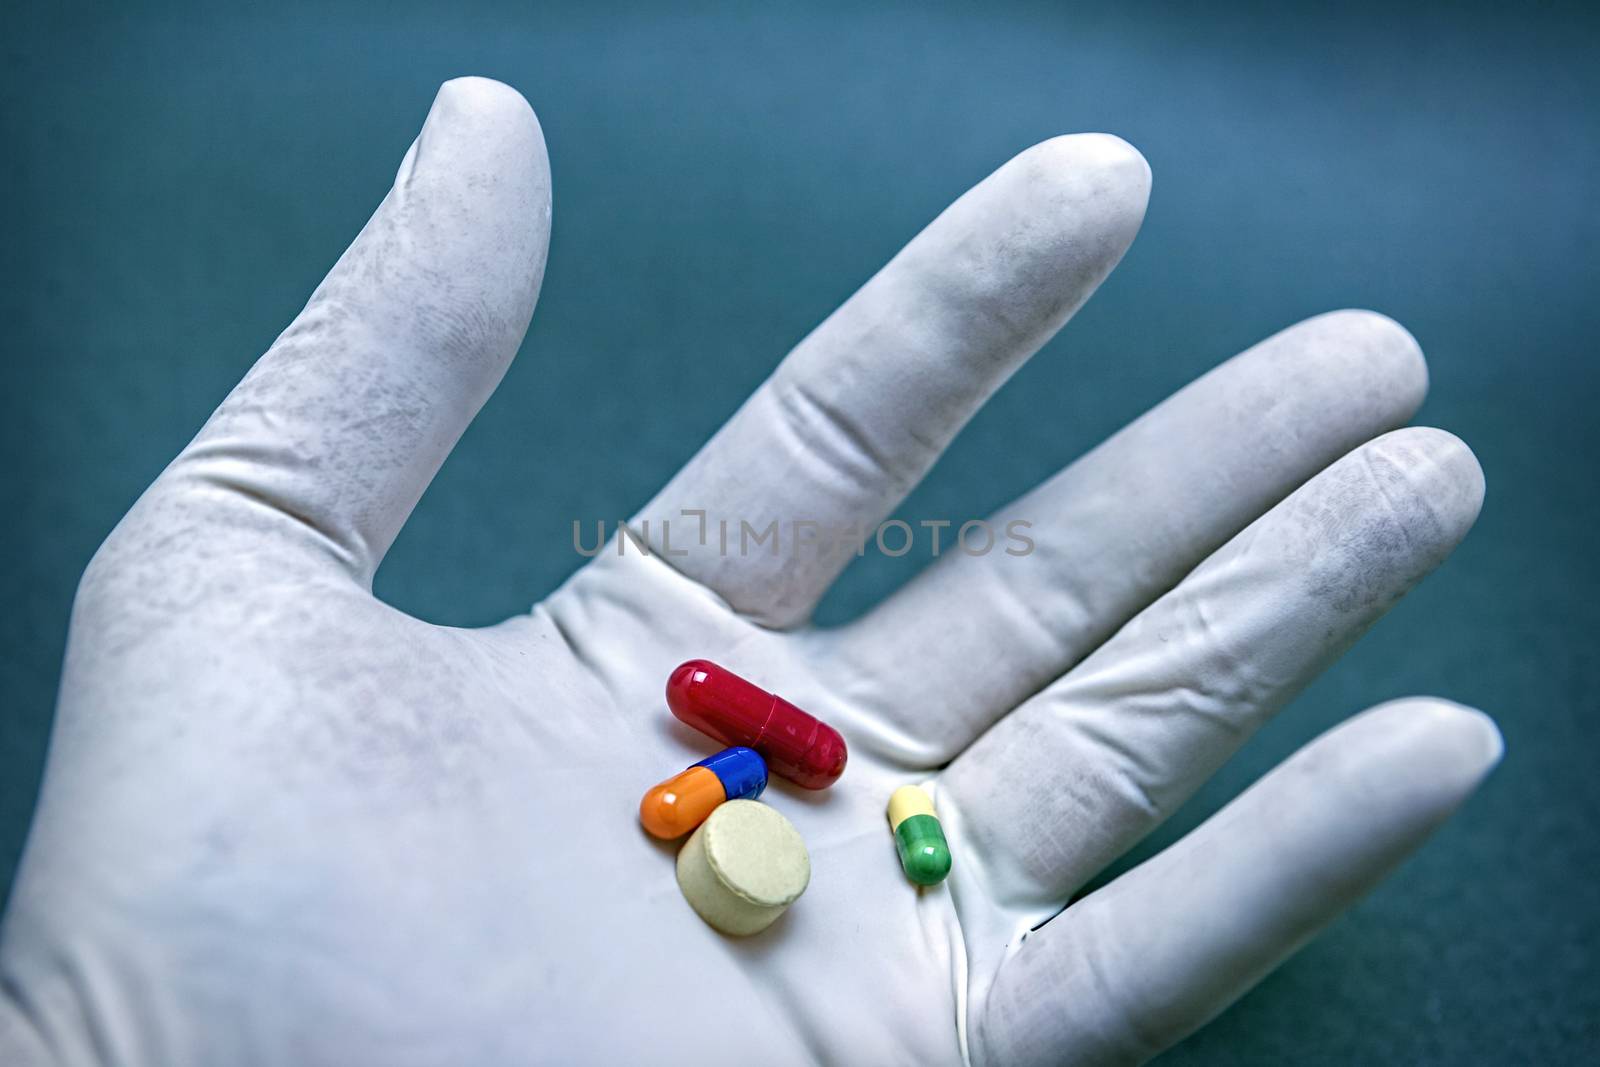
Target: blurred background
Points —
{"points": [[176, 180]]}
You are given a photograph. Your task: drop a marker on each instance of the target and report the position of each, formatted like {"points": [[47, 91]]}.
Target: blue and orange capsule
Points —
{"points": [[683, 801]]}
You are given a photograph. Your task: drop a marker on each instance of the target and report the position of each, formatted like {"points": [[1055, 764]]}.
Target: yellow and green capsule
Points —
{"points": [[918, 837]]}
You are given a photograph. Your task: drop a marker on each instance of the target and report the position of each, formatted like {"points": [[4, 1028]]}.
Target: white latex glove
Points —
{"points": [[283, 822]]}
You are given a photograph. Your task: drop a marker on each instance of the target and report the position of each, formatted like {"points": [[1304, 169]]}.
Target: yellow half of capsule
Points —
{"points": [[907, 801]]}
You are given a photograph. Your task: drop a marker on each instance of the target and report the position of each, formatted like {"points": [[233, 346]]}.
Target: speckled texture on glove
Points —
{"points": [[284, 823]]}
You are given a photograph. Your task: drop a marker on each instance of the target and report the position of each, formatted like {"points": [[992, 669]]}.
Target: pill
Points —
{"points": [[743, 867], [683, 801], [719, 703], [918, 837]]}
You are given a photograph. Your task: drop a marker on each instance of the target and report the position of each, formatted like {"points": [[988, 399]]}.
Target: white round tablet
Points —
{"points": [[743, 866]]}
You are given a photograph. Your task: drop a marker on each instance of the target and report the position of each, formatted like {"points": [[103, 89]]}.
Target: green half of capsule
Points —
{"points": [[923, 851]]}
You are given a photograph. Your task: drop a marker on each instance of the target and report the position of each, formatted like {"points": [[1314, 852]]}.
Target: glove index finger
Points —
{"points": [[853, 418]]}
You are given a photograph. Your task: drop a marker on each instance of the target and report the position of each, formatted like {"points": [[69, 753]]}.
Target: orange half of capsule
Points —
{"points": [[681, 803]]}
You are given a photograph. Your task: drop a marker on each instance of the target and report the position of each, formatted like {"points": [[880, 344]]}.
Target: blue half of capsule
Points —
{"points": [[742, 772]]}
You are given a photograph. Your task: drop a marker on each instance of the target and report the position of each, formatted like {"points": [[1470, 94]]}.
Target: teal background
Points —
{"points": [[176, 180]]}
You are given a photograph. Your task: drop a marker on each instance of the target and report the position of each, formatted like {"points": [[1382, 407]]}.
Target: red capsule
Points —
{"points": [[719, 703]]}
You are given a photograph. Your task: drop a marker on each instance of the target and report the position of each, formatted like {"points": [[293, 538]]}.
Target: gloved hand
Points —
{"points": [[283, 822]]}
